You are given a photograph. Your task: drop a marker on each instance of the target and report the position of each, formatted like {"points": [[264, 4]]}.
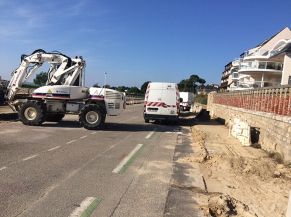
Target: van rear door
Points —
{"points": [[162, 100]]}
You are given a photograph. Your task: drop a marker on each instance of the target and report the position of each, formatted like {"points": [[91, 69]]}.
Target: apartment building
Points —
{"points": [[230, 75], [225, 77], [261, 66]]}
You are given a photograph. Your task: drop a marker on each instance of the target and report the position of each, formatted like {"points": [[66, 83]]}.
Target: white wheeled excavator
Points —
{"points": [[64, 92]]}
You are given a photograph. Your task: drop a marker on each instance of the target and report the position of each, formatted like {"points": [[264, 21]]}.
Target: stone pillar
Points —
{"points": [[262, 80], [286, 69]]}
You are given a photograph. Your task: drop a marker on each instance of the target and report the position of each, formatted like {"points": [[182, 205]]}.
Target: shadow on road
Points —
{"points": [[187, 119], [9, 117], [130, 127], [62, 124]]}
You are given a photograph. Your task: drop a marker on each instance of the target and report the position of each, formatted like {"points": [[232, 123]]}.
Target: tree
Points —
{"points": [[41, 79], [191, 84], [121, 88], [133, 90], [143, 87]]}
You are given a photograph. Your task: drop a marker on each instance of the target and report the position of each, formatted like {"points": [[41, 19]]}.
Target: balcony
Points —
{"points": [[265, 66], [242, 85], [258, 53], [236, 62], [223, 85]]}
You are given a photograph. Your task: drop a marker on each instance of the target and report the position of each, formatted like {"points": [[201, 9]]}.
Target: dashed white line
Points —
{"points": [[173, 132], [81, 210], [74, 140], [3, 168], [93, 133], [83, 137], [150, 134], [30, 157], [127, 158], [54, 148]]}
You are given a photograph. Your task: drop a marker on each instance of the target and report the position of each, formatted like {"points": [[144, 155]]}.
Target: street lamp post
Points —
{"points": [[105, 78]]}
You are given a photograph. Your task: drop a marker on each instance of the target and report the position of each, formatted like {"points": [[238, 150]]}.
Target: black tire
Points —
{"points": [[32, 113], [92, 116], [146, 120], [54, 117]]}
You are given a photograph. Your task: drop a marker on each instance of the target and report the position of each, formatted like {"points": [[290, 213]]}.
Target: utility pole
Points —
{"points": [[105, 79]]}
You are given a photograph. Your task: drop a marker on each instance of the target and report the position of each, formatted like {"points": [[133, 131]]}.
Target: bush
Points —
{"points": [[201, 98]]}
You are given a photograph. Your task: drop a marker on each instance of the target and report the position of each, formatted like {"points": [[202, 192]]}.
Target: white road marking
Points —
{"points": [[150, 134], [83, 206], [93, 133], [3, 168], [83, 137], [30, 157], [54, 148], [74, 140], [173, 132], [127, 158]]}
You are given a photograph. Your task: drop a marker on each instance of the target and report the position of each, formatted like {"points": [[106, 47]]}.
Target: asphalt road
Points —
{"points": [[61, 169]]}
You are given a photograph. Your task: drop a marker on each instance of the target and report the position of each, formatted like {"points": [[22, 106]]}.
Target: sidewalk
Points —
{"points": [[186, 181], [215, 175]]}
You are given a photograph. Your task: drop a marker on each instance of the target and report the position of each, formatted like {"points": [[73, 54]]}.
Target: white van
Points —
{"points": [[162, 102], [188, 100]]}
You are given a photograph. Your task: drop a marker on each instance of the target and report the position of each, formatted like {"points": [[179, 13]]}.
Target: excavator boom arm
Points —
{"points": [[63, 70]]}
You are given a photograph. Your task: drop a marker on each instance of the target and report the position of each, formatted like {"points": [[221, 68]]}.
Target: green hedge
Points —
{"points": [[201, 98]]}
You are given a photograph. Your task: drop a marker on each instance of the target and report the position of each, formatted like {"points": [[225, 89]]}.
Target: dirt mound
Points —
{"points": [[262, 167], [240, 181], [226, 206]]}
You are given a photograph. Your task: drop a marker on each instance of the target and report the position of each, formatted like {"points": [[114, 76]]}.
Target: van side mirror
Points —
{"points": [[181, 99]]}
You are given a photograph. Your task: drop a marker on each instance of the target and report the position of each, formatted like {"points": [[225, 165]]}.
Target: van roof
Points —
{"points": [[158, 84]]}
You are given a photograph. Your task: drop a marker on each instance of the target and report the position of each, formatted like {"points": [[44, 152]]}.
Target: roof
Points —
{"points": [[267, 40]]}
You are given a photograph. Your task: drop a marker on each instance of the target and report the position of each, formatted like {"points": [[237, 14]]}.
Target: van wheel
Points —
{"points": [[92, 117], [32, 113], [146, 120]]}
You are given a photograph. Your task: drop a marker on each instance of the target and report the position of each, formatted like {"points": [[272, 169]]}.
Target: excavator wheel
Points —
{"points": [[54, 117], [92, 116], [32, 113]]}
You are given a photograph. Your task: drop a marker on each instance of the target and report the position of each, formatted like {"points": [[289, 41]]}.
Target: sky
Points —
{"points": [[134, 41]]}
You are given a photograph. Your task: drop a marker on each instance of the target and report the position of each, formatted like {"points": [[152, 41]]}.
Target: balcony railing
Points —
{"points": [[259, 53], [260, 65], [253, 84], [236, 62]]}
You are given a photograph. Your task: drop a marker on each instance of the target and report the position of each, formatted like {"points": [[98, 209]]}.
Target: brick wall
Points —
{"points": [[266, 110]]}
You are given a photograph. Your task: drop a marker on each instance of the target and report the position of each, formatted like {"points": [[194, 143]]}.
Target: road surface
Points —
{"points": [[62, 169]]}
